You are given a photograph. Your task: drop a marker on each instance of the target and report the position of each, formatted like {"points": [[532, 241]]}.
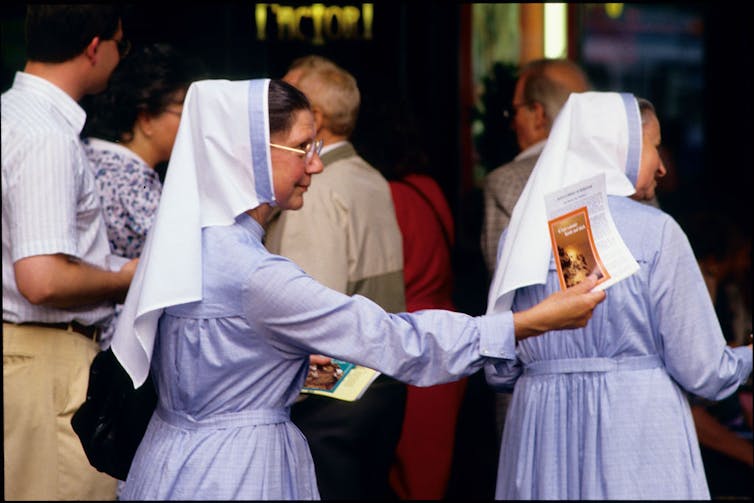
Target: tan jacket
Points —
{"points": [[346, 235]]}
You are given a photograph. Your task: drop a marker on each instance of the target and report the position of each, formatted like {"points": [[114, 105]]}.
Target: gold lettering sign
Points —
{"points": [[314, 23]]}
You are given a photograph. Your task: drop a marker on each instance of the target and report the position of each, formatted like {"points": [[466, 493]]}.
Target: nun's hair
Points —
{"points": [[646, 108], [284, 101]]}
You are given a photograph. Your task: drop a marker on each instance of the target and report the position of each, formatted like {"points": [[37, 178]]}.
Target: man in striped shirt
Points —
{"points": [[59, 280]]}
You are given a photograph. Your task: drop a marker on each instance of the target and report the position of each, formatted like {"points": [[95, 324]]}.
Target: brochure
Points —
{"points": [[339, 379], [584, 237]]}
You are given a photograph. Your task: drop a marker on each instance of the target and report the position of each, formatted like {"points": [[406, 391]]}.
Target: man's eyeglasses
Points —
{"points": [[308, 150], [510, 112]]}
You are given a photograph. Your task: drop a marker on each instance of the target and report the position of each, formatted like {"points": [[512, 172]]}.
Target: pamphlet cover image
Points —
{"points": [[583, 236], [576, 255], [339, 379]]}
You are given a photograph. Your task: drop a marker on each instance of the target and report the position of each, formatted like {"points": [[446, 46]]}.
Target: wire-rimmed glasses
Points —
{"points": [[308, 151]]}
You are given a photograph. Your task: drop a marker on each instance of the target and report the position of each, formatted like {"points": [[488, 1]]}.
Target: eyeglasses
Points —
{"points": [[510, 112], [308, 150], [123, 45]]}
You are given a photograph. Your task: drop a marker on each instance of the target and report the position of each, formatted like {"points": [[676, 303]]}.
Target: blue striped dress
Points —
{"points": [[228, 368], [602, 412]]}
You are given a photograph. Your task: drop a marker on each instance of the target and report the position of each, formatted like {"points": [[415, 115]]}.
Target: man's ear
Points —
{"points": [[91, 50], [540, 119], [319, 119]]}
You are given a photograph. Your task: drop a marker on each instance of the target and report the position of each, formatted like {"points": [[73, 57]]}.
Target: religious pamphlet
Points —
{"points": [[339, 379], [584, 237]]}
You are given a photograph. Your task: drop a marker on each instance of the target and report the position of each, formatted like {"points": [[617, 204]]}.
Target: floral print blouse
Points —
{"points": [[129, 191]]}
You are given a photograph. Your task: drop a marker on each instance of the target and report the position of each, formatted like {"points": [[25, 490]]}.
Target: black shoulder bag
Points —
{"points": [[113, 419]]}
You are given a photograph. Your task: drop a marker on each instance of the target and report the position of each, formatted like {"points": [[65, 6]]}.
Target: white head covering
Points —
{"points": [[594, 133], [219, 168]]}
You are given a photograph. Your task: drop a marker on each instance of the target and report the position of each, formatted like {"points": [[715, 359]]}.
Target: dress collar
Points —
{"points": [[249, 223]]}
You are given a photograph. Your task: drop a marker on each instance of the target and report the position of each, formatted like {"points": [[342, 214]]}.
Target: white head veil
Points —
{"points": [[594, 133], [219, 168]]}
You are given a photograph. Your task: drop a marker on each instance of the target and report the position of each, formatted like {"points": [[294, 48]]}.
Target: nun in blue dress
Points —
{"points": [[601, 412], [227, 328]]}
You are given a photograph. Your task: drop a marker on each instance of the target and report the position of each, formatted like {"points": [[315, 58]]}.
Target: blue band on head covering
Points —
{"points": [[633, 156], [258, 132]]}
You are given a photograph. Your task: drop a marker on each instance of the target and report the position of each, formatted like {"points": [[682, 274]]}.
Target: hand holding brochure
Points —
{"points": [[583, 235], [339, 379]]}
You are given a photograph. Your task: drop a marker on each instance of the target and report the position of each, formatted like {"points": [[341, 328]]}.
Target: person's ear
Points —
{"points": [[91, 50], [144, 124], [319, 119], [540, 119]]}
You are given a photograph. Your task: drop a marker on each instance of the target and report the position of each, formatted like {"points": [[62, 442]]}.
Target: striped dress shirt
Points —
{"points": [[49, 203]]}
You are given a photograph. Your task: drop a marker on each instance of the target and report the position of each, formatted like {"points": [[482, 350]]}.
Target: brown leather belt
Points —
{"points": [[89, 331]]}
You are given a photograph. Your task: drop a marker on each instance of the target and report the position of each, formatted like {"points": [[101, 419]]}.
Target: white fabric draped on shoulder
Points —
{"points": [[595, 132], [219, 168]]}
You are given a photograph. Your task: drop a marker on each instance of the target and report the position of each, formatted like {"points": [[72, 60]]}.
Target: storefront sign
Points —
{"points": [[315, 23]]}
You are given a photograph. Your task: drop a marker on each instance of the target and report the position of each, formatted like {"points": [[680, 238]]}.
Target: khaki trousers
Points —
{"points": [[45, 376]]}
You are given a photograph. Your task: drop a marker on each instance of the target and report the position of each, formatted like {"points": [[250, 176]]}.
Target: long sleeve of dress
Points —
{"points": [[694, 350], [299, 316]]}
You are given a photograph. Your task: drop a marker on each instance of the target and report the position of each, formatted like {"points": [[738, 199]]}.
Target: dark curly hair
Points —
{"points": [[148, 80]]}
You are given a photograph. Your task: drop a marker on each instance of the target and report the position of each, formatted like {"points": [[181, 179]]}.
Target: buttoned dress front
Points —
{"points": [[228, 368]]}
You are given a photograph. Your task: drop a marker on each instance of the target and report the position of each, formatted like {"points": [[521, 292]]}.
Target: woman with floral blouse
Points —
{"points": [[130, 130]]}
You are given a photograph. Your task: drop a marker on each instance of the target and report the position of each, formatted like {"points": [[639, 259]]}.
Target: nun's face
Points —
{"points": [[291, 172], [651, 167]]}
